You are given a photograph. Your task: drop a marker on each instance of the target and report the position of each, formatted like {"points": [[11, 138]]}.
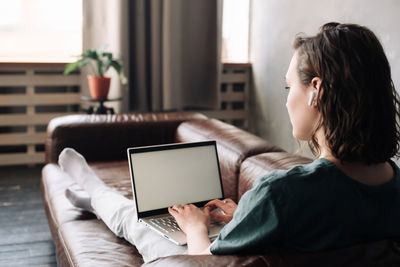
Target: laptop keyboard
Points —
{"points": [[166, 224]]}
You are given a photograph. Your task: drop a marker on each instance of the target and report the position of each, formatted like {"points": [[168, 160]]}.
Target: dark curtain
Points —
{"points": [[174, 54]]}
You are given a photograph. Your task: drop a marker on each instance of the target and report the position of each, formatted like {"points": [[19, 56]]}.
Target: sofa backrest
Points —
{"points": [[233, 144], [106, 137]]}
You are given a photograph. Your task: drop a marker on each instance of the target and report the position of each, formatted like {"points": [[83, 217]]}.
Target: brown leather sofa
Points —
{"points": [[83, 240]]}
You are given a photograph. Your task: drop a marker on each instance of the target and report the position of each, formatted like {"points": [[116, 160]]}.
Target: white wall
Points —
{"points": [[274, 23]]}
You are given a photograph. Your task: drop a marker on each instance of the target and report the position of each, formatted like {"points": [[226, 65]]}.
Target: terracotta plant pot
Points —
{"points": [[99, 86]]}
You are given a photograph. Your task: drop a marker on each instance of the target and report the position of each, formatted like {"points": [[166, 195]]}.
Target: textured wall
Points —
{"points": [[274, 23]]}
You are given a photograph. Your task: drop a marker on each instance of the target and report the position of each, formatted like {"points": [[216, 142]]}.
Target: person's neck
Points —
{"points": [[373, 174], [324, 150]]}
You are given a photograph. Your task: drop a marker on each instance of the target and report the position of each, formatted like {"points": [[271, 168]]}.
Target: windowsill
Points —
{"points": [[35, 61]]}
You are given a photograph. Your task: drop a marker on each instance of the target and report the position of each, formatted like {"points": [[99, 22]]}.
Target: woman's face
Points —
{"points": [[302, 116]]}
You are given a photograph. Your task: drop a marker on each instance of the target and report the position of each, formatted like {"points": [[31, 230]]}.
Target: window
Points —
{"points": [[40, 30], [235, 31]]}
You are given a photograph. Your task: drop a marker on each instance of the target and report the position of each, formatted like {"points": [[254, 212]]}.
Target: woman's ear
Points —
{"points": [[315, 93], [316, 83]]}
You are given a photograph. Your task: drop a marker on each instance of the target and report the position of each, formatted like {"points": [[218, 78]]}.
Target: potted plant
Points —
{"points": [[101, 62]]}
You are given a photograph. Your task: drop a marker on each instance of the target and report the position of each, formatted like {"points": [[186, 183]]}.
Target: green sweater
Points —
{"points": [[311, 207]]}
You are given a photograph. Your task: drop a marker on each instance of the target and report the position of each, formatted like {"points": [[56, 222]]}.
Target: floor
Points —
{"points": [[25, 238]]}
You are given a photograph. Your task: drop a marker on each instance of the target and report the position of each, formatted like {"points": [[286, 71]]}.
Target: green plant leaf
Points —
{"points": [[107, 55], [106, 58], [118, 68], [103, 61], [100, 71], [115, 64], [75, 65], [92, 54]]}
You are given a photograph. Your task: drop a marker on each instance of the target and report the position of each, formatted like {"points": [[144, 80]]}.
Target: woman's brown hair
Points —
{"points": [[358, 103]]}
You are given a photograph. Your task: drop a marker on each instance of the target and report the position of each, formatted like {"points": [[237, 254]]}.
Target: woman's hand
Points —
{"points": [[228, 206], [194, 222], [190, 218]]}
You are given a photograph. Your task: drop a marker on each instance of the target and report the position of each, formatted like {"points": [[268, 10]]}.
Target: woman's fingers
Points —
{"points": [[228, 200], [221, 204], [219, 217], [216, 203], [182, 209], [172, 211], [189, 217], [206, 211], [177, 207], [228, 207]]}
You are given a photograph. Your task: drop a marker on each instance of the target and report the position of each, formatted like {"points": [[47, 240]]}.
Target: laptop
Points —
{"points": [[164, 175]]}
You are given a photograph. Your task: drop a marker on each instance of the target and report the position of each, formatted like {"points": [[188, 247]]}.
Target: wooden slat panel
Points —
{"points": [[225, 114], [31, 79], [40, 99], [38, 80], [22, 138], [233, 78], [230, 97], [21, 158], [38, 119]]}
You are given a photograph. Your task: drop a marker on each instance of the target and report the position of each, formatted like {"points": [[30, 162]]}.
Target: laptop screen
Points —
{"points": [[174, 174]]}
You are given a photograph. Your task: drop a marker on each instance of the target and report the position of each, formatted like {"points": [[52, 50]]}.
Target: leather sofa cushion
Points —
{"points": [[233, 145], [58, 208], [54, 182], [91, 243], [257, 166], [76, 232]]}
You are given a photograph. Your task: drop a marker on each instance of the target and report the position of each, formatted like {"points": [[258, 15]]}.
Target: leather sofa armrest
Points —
{"points": [[106, 137]]}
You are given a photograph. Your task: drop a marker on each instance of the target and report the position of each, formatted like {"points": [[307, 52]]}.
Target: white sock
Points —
{"points": [[79, 197], [76, 166]]}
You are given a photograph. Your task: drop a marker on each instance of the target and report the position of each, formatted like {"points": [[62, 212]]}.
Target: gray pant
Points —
{"points": [[118, 213]]}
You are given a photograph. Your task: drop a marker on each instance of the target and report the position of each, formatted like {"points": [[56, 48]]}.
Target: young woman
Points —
{"points": [[343, 102]]}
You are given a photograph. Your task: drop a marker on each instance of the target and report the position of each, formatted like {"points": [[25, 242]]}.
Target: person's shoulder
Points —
{"points": [[298, 174], [297, 183]]}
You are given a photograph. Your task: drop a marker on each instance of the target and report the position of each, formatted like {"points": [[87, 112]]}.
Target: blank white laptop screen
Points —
{"points": [[175, 176]]}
